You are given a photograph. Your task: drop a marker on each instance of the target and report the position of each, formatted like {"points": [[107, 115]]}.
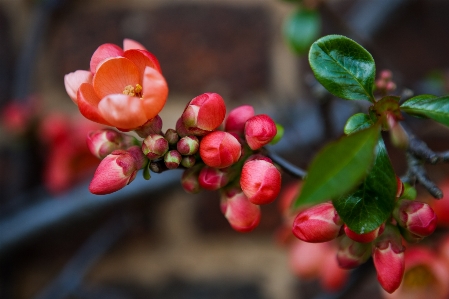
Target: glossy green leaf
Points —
{"points": [[343, 67], [339, 167], [357, 122], [428, 106], [372, 203], [301, 29]]}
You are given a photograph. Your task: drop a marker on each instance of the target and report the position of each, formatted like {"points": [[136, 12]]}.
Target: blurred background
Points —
{"points": [[151, 239]]}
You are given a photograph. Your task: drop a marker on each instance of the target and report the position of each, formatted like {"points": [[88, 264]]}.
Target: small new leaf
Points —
{"points": [[339, 167], [357, 122], [343, 67], [372, 203], [428, 106]]}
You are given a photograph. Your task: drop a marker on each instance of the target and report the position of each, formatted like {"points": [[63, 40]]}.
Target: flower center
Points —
{"points": [[133, 91], [419, 277]]}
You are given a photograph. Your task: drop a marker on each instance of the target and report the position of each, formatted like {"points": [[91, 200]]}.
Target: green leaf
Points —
{"points": [[339, 167], [301, 29], [279, 134], [343, 67], [428, 106], [409, 192], [357, 122], [372, 203]]}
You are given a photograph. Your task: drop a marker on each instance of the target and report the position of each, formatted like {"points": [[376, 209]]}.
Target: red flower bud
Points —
{"points": [[352, 254], [259, 131], [366, 237], [213, 178], [417, 217], [388, 257], [154, 146], [400, 187], [103, 142], [189, 179], [172, 159], [319, 223], [243, 216], [204, 113], [171, 136], [220, 149], [115, 171], [237, 118], [188, 161], [188, 145], [152, 126], [260, 181]]}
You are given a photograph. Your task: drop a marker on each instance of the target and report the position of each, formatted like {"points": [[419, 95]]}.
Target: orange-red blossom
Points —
{"points": [[124, 88]]}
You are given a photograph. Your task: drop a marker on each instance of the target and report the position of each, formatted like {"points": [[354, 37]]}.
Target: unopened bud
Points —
{"points": [[189, 180], [365, 237], [260, 181], [204, 113], [242, 215], [352, 254], [172, 159], [188, 145], [417, 217], [237, 118], [154, 146], [103, 142], [188, 161], [317, 224], [259, 131], [220, 149], [152, 126], [213, 178], [171, 136]]}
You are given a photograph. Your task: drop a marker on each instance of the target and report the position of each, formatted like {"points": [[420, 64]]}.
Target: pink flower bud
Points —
{"points": [[366, 237], [352, 254], [189, 179], [103, 142], [259, 131], [237, 118], [188, 145], [388, 257], [152, 126], [319, 223], [204, 113], [171, 136], [417, 217], [172, 159], [220, 149], [242, 215], [213, 178], [260, 181], [139, 158], [386, 75], [181, 129], [154, 146], [115, 171]]}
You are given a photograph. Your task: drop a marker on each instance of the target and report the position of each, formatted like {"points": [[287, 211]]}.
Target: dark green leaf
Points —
{"points": [[301, 29], [339, 167], [428, 106], [357, 122], [372, 203], [343, 67]]}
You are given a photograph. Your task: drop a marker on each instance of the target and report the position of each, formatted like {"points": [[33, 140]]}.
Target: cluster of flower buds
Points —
{"points": [[412, 220], [385, 82], [230, 161]]}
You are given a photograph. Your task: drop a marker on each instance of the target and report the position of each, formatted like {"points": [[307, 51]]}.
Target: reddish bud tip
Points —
{"points": [[237, 118], [242, 215], [259, 131], [213, 178], [204, 113], [154, 146], [189, 180], [417, 217], [220, 149], [319, 223], [365, 237], [103, 142], [188, 145], [389, 264], [172, 159], [171, 136], [352, 254], [260, 181], [152, 126]]}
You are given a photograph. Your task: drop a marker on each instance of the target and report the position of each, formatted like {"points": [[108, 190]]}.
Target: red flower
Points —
{"points": [[259, 131], [124, 87]]}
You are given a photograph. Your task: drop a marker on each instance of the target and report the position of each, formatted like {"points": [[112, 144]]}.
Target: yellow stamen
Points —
{"points": [[419, 277], [133, 91]]}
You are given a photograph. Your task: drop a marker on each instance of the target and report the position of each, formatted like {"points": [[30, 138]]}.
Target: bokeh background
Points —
{"points": [[151, 239]]}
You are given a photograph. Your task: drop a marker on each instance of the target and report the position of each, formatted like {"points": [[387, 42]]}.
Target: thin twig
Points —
{"points": [[286, 166]]}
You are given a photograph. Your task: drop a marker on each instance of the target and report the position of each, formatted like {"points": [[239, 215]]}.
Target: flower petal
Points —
{"points": [[113, 75], [122, 111], [72, 82], [103, 52], [142, 59], [155, 92], [129, 44], [87, 101]]}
